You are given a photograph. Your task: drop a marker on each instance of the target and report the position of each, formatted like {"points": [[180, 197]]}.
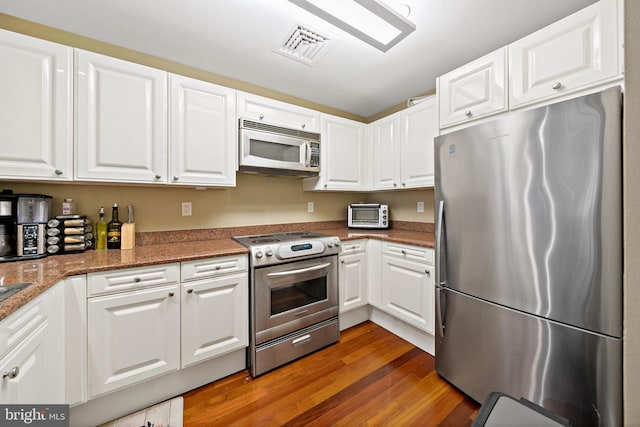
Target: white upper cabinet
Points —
{"points": [[270, 111], [121, 120], [203, 135], [342, 156], [418, 128], [573, 53], [475, 90], [384, 160], [36, 108]]}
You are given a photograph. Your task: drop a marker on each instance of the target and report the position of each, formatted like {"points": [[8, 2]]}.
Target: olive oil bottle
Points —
{"points": [[101, 231], [114, 229]]}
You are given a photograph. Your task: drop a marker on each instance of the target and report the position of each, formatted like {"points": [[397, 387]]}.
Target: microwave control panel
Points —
{"points": [[315, 154]]}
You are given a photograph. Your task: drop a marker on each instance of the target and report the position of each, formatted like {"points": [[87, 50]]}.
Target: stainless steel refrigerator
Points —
{"points": [[529, 258]]}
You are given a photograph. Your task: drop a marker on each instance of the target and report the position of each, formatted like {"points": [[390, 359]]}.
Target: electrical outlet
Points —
{"points": [[186, 209], [420, 207], [310, 207]]}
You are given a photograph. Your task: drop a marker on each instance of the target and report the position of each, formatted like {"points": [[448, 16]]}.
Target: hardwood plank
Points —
{"points": [[371, 377]]}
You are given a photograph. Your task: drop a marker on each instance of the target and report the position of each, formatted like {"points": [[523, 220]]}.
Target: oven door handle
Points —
{"points": [[299, 271]]}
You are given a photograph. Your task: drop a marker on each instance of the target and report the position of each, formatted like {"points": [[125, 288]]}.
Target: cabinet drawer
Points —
{"points": [[353, 246], [271, 111], [109, 282], [414, 253], [211, 267], [20, 324]]}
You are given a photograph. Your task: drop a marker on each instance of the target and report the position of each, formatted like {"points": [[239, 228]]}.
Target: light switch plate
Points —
{"points": [[420, 207], [310, 207], [186, 209]]}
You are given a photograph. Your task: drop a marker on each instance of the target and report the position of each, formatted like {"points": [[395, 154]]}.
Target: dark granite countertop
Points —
{"points": [[45, 272]]}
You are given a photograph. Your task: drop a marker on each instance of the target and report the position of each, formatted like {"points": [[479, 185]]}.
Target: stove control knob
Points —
{"points": [[336, 242], [330, 244], [258, 253], [269, 252]]}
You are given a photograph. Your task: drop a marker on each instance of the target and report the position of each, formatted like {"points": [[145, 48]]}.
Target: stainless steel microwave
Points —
{"points": [[368, 215], [277, 150]]}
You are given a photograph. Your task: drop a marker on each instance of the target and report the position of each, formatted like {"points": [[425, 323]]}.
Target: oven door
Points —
{"points": [[291, 296]]}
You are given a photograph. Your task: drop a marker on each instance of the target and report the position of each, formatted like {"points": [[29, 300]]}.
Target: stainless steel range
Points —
{"points": [[294, 296]]}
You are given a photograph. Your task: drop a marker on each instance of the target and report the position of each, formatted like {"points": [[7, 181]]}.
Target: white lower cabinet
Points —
{"points": [[32, 352], [132, 336], [407, 287], [215, 317], [352, 275]]}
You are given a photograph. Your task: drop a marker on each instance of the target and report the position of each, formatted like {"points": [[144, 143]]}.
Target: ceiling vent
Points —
{"points": [[305, 45]]}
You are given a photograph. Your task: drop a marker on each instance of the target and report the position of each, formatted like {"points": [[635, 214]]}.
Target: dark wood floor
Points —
{"points": [[371, 377]]}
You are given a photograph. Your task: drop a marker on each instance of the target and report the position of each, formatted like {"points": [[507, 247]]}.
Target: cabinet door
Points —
{"points": [[259, 108], [384, 167], [352, 275], [573, 53], [342, 155], [121, 120], [203, 137], [475, 90], [132, 336], [25, 371], [408, 291], [419, 127], [215, 317], [36, 108]]}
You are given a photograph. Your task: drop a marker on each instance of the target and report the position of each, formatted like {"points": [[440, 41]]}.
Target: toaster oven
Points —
{"points": [[368, 215]]}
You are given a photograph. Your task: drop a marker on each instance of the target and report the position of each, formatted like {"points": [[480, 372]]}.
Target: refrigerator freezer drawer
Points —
{"points": [[486, 348]]}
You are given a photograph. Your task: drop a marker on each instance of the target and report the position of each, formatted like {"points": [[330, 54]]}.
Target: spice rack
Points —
{"points": [[69, 234]]}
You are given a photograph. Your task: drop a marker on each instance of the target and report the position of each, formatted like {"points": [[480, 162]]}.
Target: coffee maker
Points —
{"points": [[23, 221]]}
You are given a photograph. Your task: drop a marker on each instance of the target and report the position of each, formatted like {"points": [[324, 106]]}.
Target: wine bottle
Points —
{"points": [[114, 229], [101, 231]]}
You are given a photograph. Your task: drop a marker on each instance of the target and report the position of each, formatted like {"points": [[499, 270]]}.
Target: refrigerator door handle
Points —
{"points": [[439, 243], [440, 312]]}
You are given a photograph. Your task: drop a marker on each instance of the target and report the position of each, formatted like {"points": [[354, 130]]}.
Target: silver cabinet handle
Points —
{"points": [[218, 267], [342, 262], [137, 280], [556, 85], [304, 126], [403, 252], [261, 116], [58, 172], [175, 178], [12, 373], [171, 294], [158, 177], [189, 291], [467, 113], [395, 185], [427, 272]]}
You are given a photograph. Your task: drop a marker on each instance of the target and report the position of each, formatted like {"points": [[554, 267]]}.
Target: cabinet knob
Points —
{"points": [[171, 294], [261, 116], [427, 272], [218, 267], [404, 184], [190, 291], [404, 252], [326, 185], [467, 113], [342, 262], [304, 126], [12, 373], [395, 185], [137, 280], [158, 177], [556, 85], [58, 172], [175, 178]]}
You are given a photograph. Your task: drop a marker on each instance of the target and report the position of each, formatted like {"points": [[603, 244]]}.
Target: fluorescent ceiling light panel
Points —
{"points": [[369, 20]]}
